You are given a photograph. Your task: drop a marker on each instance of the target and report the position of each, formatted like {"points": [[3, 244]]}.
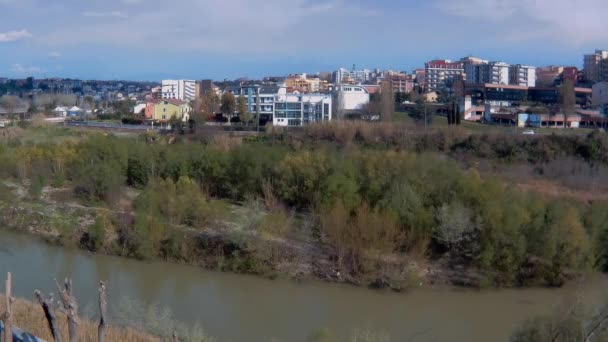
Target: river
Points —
{"points": [[245, 308]]}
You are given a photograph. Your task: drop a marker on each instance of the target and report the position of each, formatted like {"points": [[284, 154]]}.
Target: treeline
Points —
{"points": [[455, 141], [376, 208]]}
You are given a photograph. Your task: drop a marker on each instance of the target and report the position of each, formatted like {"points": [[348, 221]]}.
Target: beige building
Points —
{"points": [[303, 83]]}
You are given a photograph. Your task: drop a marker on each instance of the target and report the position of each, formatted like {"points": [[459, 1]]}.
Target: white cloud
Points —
{"points": [[12, 36], [22, 69], [114, 14], [55, 54], [564, 21], [236, 26]]}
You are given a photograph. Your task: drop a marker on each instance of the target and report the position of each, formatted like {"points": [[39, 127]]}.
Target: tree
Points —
{"points": [[210, 103], [568, 99], [10, 103], [387, 101], [243, 110], [228, 104]]}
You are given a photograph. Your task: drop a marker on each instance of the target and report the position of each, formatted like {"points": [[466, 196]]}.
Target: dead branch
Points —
{"points": [[7, 316], [593, 330], [49, 313], [70, 307], [102, 311]]}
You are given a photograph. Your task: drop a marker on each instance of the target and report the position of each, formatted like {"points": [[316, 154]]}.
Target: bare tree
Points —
{"points": [[49, 313], [7, 316], [387, 101], [70, 307], [10, 103], [102, 311], [568, 99]]}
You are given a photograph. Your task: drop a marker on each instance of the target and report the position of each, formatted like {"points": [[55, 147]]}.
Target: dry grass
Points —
{"points": [[30, 317], [226, 142], [10, 133]]}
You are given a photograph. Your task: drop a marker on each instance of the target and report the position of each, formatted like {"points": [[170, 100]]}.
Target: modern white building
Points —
{"points": [[292, 110], [351, 98], [260, 99], [184, 90], [522, 75]]}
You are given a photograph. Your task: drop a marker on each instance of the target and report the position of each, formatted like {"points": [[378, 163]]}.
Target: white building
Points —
{"points": [[495, 73], [471, 69], [479, 71], [292, 110], [522, 75], [61, 111], [184, 90], [351, 98], [345, 76], [260, 99]]}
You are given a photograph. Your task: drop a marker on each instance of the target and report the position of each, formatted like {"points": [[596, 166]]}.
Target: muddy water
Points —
{"points": [[243, 308]]}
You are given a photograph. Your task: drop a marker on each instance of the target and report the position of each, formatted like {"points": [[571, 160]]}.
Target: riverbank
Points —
{"points": [[29, 317], [227, 243]]}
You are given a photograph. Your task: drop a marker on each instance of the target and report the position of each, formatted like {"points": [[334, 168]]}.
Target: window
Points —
{"points": [[326, 108]]}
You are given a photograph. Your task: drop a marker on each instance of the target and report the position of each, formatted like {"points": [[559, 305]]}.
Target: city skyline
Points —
{"points": [[151, 39]]}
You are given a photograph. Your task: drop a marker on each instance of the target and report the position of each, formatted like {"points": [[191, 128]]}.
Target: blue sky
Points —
{"points": [[154, 39]]}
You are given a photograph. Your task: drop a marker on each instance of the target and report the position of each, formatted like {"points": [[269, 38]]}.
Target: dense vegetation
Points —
{"points": [[377, 196]]}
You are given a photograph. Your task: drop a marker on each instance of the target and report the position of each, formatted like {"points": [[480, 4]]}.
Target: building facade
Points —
{"points": [[596, 66], [293, 110], [439, 73], [184, 90], [167, 109], [260, 99], [600, 94], [352, 98], [522, 75], [345, 76]]}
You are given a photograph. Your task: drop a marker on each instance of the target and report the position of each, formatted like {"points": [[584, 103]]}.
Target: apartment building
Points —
{"points": [[184, 90], [596, 66], [522, 75], [345, 76], [260, 99], [471, 66], [303, 83], [292, 110], [440, 72]]}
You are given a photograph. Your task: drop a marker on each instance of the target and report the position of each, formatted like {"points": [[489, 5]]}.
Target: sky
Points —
{"points": [[227, 39]]}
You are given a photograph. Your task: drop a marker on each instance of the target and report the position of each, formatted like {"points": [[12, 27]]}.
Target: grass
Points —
{"points": [[30, 317]]}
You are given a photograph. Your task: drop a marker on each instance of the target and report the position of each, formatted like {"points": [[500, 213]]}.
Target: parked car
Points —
{"points": [[528, 132]]}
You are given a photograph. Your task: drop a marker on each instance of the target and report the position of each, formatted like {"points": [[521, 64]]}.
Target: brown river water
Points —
{"points": [[245, 308]]}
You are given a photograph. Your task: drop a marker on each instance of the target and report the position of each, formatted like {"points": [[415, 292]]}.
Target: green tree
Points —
{"points": [[97, 233]]}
